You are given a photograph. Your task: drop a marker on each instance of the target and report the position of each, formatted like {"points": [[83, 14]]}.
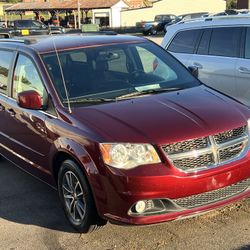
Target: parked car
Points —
{"points": [[219, 47], [2, 24], [153, 27], [121, 129], [184, 17], [28, 27]]}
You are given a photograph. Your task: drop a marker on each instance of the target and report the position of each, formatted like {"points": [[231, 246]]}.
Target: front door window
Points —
{"points": [[26, 78]]}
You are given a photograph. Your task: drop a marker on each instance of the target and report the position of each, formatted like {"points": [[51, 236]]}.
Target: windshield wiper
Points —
{"points": [[91, 100], [146, 92]]}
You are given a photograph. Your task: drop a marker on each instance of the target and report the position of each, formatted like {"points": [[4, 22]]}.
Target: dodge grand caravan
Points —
{"points": [[121, 129]]}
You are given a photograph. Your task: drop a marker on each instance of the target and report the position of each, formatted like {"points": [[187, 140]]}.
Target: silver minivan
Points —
{"points": [[219, 47]]}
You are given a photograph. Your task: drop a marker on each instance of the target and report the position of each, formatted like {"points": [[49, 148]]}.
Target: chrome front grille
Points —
{"points": [[194, 162], [208, 152], [213, 196], [185, 146], [231, 152], [229, 135]]}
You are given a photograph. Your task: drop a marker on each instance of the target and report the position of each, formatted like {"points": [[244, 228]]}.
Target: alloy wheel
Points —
{"points": [[74, 197]]}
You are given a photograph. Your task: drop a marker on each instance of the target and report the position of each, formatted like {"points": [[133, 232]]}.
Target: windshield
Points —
{"points": [[109, 72]]}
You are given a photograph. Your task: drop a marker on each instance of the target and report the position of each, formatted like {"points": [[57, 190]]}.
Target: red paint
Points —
{"points": [[37, 138], [30, 100]]}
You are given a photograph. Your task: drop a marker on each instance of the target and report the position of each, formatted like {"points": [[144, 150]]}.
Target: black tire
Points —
{"points": [[153, 32], [145, 33], [77, 199]]}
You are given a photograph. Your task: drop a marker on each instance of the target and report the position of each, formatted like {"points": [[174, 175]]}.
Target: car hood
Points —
{"points": [[164, 118]]}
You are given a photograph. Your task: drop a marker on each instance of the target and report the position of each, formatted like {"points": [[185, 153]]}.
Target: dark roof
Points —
{"points": [[47, 44], [72, 5]]}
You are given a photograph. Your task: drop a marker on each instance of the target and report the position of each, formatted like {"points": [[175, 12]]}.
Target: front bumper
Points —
{"points": [[164, 182]]}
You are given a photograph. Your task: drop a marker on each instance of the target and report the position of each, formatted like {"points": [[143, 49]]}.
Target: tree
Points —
{"points": [[231, 4], [13, 1]]}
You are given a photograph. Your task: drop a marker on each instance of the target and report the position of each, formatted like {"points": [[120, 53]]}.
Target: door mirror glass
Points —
{"points": [[29, 99]]}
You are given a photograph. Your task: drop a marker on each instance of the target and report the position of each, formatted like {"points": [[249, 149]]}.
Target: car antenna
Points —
{"points": [[62, 75]]}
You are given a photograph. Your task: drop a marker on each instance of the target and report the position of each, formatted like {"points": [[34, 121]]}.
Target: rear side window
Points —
{"points": [[247, 46], [5, 61], [225, 42], [184, 41], [204, 42]]}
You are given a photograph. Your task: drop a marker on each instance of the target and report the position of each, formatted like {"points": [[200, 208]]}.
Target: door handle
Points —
{"points": [[244, 70], [11, 112], [198, 65], [2, 108]]}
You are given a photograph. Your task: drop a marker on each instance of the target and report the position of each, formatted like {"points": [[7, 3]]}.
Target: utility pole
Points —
{"points": [[79, 13]]}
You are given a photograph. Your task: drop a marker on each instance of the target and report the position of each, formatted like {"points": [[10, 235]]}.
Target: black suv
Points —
{"points": [[153, 27], [29, 27]]}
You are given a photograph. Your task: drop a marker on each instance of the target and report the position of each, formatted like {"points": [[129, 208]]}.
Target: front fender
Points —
{"points": [[79, 153], [76, 151]]}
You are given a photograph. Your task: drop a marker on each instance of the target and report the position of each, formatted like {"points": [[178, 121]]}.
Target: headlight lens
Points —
{"points": [[248, 124], [128, 155]]}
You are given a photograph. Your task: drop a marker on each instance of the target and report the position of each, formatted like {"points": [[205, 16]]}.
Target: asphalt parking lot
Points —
{"points": [[156, 39], [31, 218]]}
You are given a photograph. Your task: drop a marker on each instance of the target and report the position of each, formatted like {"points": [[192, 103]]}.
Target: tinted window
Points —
{"points": [[115, 70], [119, 61], [27, 23], [153, 65], [78, 57], [184, 41], [225, 42], [204, 43], [26, 77], [5, 61], [247, 46]]}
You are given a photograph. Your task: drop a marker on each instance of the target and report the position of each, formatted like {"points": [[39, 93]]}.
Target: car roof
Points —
{"points": [[212, 21], [193, 13], [47, 44]]}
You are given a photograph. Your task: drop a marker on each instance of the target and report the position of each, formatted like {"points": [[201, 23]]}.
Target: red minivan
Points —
{"points": [[122, 129]]}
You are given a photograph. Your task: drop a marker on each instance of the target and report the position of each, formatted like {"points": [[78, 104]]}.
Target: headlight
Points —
{"points": [[128, 155], [248, 124]]}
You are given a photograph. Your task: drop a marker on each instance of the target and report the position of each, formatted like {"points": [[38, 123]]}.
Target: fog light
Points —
{"points": [[153, 207], [140, 206]]}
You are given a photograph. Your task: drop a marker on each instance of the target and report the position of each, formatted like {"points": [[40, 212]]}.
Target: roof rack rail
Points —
{"points": [[211, 18], [24, 41]]}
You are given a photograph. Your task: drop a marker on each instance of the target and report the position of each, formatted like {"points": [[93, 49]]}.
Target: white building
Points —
{"points": [[129, 17]]}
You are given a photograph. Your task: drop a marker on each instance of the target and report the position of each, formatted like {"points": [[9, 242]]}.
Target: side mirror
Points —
{"points": [[194, 71], [29, 99]]}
